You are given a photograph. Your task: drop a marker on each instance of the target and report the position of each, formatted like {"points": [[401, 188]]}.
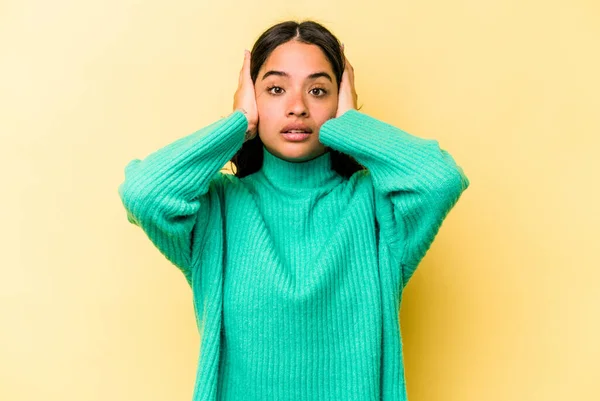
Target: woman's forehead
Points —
{"points": [[296, 60]]}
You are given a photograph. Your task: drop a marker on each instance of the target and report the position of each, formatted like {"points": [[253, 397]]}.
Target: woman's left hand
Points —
{"points": [[347, 98]]}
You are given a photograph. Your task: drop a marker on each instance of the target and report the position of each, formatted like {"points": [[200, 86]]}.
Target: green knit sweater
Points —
{"points": [[297, 273]]}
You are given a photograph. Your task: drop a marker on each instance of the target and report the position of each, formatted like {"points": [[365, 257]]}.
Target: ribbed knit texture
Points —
{"points": [[297, 273]]}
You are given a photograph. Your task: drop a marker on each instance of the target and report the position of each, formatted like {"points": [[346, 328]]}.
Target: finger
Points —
{"points": [[245, 66], [348, 63], [344, 53], [350, 71], [348, 67], [247, 63]]}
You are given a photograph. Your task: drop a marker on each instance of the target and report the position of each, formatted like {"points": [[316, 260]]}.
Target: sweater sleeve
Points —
{"points": [[166, 193], [417, 182]]}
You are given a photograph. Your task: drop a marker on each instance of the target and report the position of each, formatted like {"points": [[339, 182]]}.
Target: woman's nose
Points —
{"points": [[297, 105]]}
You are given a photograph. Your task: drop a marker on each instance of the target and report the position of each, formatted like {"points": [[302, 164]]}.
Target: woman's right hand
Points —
{"points": [[244, 98]]}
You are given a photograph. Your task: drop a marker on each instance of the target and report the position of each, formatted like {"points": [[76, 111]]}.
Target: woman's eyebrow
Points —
{"points": [[286, 75]]}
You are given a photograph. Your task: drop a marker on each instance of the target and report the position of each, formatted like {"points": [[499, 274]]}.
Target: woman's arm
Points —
{"points": [[166, 194], [420, 181]]}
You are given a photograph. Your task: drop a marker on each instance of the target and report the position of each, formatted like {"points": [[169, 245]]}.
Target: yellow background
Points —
{"points": [[506, 304]]}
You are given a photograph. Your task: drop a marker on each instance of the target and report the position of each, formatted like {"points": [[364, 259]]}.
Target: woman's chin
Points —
{"points": [[297, 151]]}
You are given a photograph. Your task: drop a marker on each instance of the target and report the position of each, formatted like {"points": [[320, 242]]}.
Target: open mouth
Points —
{"points": [[295, 135]]}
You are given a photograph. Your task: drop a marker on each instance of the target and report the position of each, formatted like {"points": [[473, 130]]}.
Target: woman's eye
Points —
{"points": [[323, 91], [274, 87]]}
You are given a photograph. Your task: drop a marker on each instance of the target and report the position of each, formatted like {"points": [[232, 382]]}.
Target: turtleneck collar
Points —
{"points": [[313, 173]]}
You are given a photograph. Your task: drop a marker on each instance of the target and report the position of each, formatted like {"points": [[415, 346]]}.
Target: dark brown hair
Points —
{"points": [[249, 158]]}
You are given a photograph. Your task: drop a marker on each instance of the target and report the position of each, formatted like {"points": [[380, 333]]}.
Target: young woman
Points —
{"points": [[297, 262]]}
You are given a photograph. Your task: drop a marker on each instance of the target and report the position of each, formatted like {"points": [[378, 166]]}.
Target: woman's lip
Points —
{"points": [[295, 136]]}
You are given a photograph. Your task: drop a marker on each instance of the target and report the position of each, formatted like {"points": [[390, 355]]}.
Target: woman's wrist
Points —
{"points": [[243, 111], [249, 133]]}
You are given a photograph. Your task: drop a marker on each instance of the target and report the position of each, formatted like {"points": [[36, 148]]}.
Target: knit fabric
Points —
{"points": [[297, 273]]}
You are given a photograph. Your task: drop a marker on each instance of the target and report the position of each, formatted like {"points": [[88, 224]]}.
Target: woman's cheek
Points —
{"points": [[265, 104]]}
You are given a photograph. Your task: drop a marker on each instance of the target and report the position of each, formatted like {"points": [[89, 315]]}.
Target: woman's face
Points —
{"points": [[288, 92]]}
